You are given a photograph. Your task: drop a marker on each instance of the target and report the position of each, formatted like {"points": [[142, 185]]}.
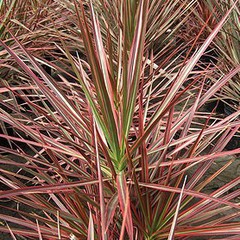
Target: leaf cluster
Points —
{"points": [[104, 128]]}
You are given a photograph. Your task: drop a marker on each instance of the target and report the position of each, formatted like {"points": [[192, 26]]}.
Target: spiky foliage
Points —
{"points": [[229, 54], [108, 139], [224, 50]]}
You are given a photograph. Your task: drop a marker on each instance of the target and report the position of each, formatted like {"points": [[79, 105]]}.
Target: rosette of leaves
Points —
{"points": [[107, 146]]}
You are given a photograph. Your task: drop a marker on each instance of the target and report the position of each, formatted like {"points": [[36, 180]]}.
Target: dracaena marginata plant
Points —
{"points": [[225, 45], [229, 53], [115, 142]]}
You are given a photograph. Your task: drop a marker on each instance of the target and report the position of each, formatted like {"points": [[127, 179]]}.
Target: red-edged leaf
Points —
{"points": [[90, 227], [111, 209]]}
